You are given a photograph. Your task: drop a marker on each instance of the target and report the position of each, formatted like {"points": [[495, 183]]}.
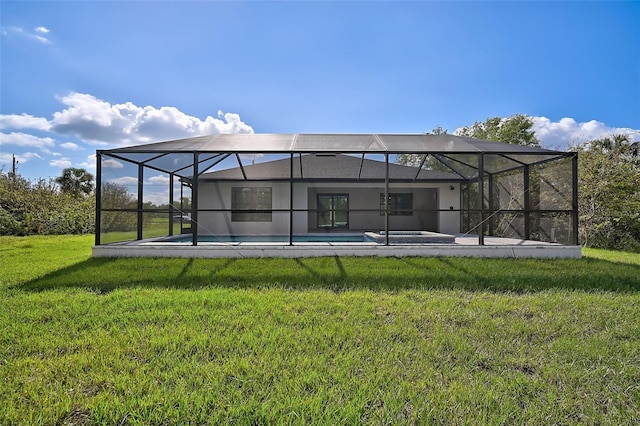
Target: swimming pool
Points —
{"points": [[395, 237], [411, 237], [304, 238]]}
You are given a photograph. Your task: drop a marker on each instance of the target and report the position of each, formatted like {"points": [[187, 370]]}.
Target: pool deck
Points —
{"points": [[464, 246]]}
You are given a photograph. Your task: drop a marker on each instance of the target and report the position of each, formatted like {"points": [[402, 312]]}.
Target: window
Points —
{"points": [[333, 210], [251, 204], [399, 204]]}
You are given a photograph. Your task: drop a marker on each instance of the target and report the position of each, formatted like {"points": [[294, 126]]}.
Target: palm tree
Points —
{"points": [[77, 182], [618, 146]]}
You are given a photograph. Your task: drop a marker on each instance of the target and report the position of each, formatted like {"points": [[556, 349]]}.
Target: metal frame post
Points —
{"points": [[98, 194], [491, 206], [140, 196], [171, 208], [194, 201], [574, 206], [386, 199], [181, 205], [291, 199], [481, 198], [527, 203]]}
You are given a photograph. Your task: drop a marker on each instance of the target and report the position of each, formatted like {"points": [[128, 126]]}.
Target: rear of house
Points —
{"points": [[261, 186], [334, 196]]}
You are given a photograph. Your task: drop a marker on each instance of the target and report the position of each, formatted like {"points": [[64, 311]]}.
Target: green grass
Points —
{"points": [[325, 340], [153, 228]]}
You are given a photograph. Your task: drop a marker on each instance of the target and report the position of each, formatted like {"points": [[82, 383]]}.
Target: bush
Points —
{"points": [[609, 194], [29, 208]]}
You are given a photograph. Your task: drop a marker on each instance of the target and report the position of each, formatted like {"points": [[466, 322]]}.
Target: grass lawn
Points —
{"points": [[323, 340]]}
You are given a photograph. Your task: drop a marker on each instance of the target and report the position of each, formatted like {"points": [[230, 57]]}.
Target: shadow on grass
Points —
{"points": [[328, 275], [103, 275]]}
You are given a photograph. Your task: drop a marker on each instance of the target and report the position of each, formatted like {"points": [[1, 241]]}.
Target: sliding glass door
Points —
{"points": [[333, 211]]}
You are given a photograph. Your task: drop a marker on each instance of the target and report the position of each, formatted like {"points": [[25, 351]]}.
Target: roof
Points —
{"points": [[328, 167], [295, 142], [459, 154]]}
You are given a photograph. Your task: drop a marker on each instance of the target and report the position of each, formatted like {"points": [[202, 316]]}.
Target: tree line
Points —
{"points": [[64, 205], [608, 189]]}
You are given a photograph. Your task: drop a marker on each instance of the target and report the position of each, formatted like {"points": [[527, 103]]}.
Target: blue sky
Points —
{"points": [[78, 76]]}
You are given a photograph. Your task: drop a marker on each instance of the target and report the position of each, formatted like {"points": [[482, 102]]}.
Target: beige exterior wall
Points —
{"points": [[217, 195]]}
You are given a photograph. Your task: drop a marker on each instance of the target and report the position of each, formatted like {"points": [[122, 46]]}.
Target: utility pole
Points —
{"points": [[14, 168]]}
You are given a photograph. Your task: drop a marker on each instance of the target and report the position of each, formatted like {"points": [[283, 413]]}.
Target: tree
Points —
{"points": [[438, 131], [609, 193], [75, 182], [414, 160], [118, 198], [185, 204], [618, 147], [516, 130]]}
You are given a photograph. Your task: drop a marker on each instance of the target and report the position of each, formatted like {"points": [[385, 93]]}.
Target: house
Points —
{"points": [[279, 187], [332, 193]]}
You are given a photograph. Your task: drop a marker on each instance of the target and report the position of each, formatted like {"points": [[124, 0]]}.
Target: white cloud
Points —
{"points": [[567, 131], [90, 163], [41, 39], [159, 180], [70, 146], [157, 198], [63, 163], [111, 163], [6, 159], [26, 140], [19, 31], [23, 121], [125, 180], [96, 120]]}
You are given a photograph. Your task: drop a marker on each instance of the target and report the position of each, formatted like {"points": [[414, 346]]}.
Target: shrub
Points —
{"points": [[29, 208]]}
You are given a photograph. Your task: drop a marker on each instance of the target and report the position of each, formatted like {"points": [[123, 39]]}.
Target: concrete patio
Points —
{"points": [[464, 246]]}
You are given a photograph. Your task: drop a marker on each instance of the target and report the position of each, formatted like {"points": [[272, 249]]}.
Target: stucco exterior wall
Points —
{"points": [[213, 195], [369, 199], [217, 195]]}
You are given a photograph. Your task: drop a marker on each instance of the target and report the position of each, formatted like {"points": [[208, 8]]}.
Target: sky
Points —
{"points": [[79, 76]]}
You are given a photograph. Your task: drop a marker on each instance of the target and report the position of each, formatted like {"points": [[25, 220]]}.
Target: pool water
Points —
{"points": [[310, 238]]}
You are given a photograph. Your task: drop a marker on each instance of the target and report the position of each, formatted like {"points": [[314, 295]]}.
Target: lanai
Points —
{"points": [[505, 190]]}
